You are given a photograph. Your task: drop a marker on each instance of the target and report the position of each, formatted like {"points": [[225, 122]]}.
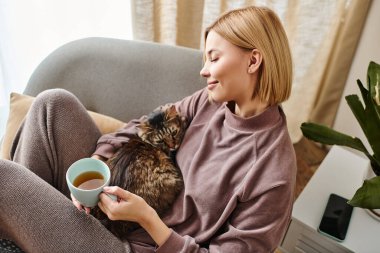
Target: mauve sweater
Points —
{"points": [[239, 176]]}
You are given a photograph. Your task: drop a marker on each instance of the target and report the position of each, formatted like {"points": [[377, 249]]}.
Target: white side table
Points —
{"points": [[342, 172]]}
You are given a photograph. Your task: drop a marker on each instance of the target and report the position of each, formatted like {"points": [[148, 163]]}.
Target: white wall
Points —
{"points": [[368, 50], [30, 30]]}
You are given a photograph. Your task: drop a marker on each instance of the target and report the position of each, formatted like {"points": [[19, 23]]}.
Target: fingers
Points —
{"points": [[105, 199], [119, 192], [79, 206], [130, 207], [103, 208], [106, 203], [108, 206], [76, 203], [98, 157]]}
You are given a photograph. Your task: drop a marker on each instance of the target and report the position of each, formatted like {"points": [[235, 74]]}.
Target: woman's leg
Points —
{"points": [[57, 132], [38, 218]]}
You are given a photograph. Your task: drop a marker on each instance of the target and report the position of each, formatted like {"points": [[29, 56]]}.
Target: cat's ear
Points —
{"points": [[172, 112], [142, 125], [142, 129]]}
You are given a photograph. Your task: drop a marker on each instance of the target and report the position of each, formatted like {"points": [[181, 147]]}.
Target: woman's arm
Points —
{"points": [[256, 225], [108, 144], [134, 208], [98, 157]]}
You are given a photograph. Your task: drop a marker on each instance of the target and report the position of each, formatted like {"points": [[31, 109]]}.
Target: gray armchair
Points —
{"points": [[120, 78]]}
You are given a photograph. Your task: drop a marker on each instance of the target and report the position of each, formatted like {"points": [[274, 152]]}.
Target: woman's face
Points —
{"points": [[226, 70]]}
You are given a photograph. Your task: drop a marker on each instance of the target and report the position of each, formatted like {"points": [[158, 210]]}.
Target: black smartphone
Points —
{"points": [[336, 218]]}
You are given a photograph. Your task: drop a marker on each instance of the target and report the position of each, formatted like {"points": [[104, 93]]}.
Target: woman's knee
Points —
{"points": [[6, 164], [57, 98], [6, 169]]}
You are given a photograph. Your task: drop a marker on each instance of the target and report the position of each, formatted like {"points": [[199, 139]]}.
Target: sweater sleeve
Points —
{"points": [[108, 144], [256, 225]]}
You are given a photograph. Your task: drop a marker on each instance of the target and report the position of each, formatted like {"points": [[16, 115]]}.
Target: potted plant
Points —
{"points": [[368, 116]]}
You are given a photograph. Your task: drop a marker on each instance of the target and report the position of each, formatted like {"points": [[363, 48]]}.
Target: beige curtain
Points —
{"points": [[323, 36], [168, 21], [337, 68]]}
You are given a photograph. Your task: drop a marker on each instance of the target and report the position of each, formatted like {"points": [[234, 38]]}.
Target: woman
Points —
{"points": [[236, 158]]}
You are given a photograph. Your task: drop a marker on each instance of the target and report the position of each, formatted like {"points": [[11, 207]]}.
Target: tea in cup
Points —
{"points": [[86, 179]]}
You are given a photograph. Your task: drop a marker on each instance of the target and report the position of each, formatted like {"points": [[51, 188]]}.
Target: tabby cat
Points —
{"points": [[146, 166]]}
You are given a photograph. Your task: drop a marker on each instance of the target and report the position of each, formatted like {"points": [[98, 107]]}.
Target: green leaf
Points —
{"points": [[367, 117], [367, 97], [367, 196], [326, 135], [373, 80], [363, 90], [357, 109], [375, 165]]}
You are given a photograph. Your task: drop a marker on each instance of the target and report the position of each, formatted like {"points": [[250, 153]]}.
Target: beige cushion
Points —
{"points": [[19, 106]]}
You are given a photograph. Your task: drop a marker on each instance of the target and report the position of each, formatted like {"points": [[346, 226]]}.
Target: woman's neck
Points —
{"points": [[246, 110]]}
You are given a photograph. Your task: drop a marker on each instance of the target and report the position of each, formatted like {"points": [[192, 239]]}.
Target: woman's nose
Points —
{"points": [[204, 71]]}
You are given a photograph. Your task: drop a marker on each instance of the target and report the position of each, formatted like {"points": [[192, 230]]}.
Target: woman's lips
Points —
{"points": [[212, 85]]}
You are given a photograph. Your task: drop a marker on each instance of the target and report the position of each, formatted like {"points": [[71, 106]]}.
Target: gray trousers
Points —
{"points": [[35, 210]]}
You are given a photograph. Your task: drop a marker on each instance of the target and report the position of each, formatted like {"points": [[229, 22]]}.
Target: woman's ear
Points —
{"points": [[254, 61]]}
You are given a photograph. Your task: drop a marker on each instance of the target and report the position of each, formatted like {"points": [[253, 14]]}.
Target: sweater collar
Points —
{"points": [[265, 119]]}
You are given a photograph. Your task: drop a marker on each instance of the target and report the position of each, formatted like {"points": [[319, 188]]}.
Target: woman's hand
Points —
{"points": [[98, 157], [131, 207], [79, 205]]}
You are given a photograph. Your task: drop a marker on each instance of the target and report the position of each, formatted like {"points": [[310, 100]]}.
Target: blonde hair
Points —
{"points": [[260, 28]]}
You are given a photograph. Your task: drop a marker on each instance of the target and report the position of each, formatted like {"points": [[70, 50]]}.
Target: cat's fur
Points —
{"points": [[145, 165]]}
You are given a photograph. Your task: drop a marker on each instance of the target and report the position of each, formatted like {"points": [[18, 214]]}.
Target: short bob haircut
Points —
{"points": [[260, 28]]}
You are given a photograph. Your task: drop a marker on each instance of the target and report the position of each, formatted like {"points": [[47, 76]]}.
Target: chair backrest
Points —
{"points": [[120, 78]]}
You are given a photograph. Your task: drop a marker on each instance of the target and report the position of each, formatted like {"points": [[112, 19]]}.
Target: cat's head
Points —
{"points": [[163, 128]]}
